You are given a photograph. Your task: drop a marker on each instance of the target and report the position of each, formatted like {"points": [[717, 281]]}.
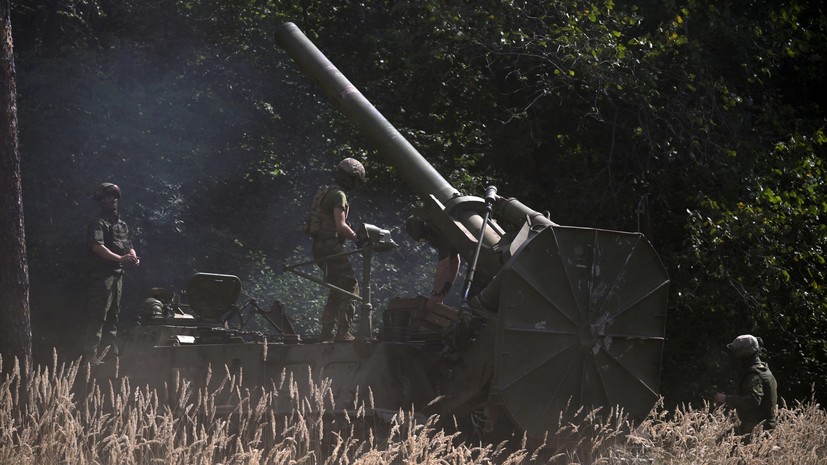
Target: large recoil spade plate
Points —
{"points": [[581, 322]]}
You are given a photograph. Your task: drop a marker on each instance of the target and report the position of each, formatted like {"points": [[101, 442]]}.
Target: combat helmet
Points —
{"points": [[106, 188], [352, 168], [745, 345]]}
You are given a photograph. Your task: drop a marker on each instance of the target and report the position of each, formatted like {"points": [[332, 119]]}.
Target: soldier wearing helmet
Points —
{"points": [[756, 394], [327, 225], [108, 248]]}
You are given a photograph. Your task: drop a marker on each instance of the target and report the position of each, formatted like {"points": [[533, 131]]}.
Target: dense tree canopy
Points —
{"points": [[699, 123]]}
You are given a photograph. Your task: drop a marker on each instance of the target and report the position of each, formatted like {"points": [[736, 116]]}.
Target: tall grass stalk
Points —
{"points": [[70, 417]]}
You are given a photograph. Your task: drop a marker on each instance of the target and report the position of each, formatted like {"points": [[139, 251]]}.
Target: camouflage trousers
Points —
{"points": [[103, 309], [339, 308]]}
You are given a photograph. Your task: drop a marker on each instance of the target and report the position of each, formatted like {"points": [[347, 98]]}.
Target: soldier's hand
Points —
{"points": [[132, 257], [362, 238]]}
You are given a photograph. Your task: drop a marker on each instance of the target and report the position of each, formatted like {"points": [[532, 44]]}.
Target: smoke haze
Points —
{"points": [[217, 161]]}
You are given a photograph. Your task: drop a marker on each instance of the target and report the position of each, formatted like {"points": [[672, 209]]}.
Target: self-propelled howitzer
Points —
{"points": [[567, 315]]}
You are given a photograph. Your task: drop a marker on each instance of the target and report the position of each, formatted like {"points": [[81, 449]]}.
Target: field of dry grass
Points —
{"points": [[64, 416]]}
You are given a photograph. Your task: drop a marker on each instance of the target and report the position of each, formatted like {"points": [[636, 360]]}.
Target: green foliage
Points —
{"points": [[759, 261], [393, 274], [698, 123], [304, 300]]}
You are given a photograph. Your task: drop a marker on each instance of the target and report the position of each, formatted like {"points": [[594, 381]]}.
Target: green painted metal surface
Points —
{"points": [[581, 323]]}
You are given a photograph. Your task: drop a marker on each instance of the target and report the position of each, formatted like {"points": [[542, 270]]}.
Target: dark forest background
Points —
{"points": [[699, 123]]}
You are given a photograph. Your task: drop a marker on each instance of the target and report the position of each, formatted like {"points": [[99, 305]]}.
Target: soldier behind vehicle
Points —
{"points": [[327, 225], [447, 267], [108, 247], [756, 392]]}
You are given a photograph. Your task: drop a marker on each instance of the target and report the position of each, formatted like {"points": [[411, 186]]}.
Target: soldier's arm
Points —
{"points": [[343, 230], [131, 255], [96, 245], [446, 273], [95, 236], [106, 254], [753, 390]]}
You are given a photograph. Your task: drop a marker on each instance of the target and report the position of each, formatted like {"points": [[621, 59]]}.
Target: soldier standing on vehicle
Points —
{"points": [[108, 247], [447, 268], [327, 225], [756, 394]]}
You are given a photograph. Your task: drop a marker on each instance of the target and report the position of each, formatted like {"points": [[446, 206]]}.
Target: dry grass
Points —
{"points": [[69, 418]]}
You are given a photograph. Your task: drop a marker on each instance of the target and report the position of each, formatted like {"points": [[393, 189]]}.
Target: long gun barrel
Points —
{"points": [[410, 164], [574, 316], [457, 216]]}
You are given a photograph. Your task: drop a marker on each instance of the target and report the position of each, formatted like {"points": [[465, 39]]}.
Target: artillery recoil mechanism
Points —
{"points": [[552, 315]]}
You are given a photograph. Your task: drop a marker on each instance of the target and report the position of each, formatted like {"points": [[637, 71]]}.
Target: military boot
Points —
{"points": [[343, 334]]}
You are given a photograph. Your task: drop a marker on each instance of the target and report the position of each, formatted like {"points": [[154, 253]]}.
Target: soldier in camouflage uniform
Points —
{"points": [[756, 394], [108, 247], [327, 225]]}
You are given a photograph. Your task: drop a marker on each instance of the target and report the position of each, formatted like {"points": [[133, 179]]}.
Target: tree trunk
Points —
{"points": [[15, 321]]}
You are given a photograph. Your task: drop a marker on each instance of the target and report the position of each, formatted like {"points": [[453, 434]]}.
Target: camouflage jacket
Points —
{"points": [[320, 223], [756, 396], [111, 232]]}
